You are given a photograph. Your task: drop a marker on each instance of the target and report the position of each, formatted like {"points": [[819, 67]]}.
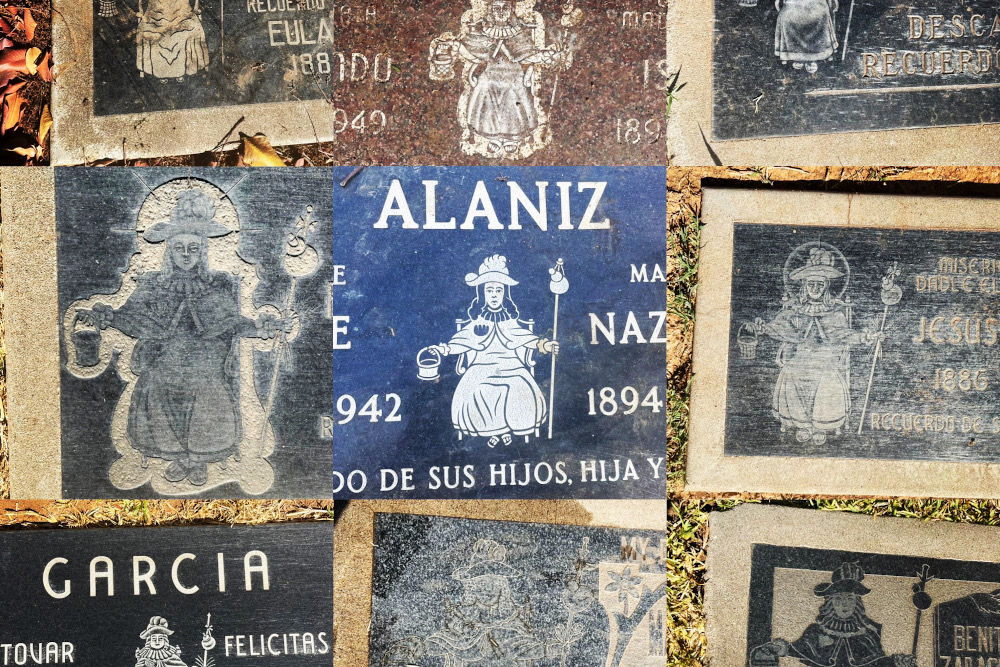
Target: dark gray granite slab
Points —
{"points": [[495, 592]]}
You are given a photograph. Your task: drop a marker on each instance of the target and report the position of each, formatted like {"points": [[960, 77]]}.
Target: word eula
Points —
{"points": [[143, 568]]}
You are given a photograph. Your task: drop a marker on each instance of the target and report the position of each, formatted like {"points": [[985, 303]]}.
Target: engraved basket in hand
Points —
{"points": [[87, 342], [429, 364], [746, 338], [444, 51]]}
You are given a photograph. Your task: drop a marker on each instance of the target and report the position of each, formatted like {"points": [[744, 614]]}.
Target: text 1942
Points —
{"points": [[347, 407]]}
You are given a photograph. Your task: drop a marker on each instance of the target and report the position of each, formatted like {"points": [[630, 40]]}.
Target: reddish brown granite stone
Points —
{"points": [[382, 68]]}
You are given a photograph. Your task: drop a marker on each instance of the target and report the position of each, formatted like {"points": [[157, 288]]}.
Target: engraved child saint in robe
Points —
{"points": [[186, 317], [842, 635], [813, 392], [158, 652], [497, 395], [170, 40], [502, 52], [804, 34], [486, 624]]}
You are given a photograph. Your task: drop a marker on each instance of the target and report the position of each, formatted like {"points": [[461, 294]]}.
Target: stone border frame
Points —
{"points": [[708, 468], [733, 534], [690, 36], [79, 137], [354, 553]]}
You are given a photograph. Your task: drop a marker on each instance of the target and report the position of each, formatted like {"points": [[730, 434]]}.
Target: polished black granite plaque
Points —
{"points": [[837, 608], [154, 55], [799, 67], [204, 596], [195, 333], [864, 343]]}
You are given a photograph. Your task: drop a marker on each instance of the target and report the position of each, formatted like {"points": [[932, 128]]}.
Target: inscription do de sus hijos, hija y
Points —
{"points": [[532, 326]]}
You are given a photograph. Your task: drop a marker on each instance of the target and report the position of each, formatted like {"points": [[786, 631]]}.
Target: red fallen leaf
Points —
{"points": [[301, 162], [6, 43], [5, 27], [13, 60], [13, 107], [29, 25]]}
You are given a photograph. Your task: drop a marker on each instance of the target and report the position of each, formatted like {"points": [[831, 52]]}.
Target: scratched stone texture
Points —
{"points": [[496, 592], [105, 629], [607, 107], [797, 386], [756, 95]]}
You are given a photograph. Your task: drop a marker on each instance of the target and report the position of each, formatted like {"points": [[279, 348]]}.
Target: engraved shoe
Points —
{"points": [[812, 67], [198, 474], [819, 437], [797, 65], [506, 439], [803, 435], [176, 471]]}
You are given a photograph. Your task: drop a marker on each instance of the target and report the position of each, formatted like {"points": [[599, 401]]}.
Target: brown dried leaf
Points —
{"points": [[31, 58], [257, 152], [14, 60], [44, 68], [29, 25], [44, 125], [13, 107]]}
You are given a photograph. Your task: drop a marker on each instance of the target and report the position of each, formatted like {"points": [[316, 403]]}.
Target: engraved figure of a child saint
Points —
{"points": [[157, 651], [843, 635], [170, 40], [812, 395], [502, 50], [185, 407], [805, 33], [497, 395], [486, 623]]}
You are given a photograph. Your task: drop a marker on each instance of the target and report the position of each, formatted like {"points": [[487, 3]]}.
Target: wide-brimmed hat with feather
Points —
{"points": [[492, 270], [193, 214]]}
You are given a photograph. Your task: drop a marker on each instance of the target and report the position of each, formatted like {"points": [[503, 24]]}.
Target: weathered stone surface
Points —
{"points": [[494, 590], [791, 74], [848, 328], [216, 595], [206, 66], [544, 83], [438, 393], [194, 340], [800, 587]]}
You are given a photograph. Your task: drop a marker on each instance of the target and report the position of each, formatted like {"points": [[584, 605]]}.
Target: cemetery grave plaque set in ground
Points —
{"points": [[499, 333], [800, 588], [168, 332], [580, 582], [834, 331], [769, 82], [141, 78], [500, 81], [197, 596]]}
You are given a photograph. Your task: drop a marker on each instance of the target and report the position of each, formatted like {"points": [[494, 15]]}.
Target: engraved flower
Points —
{"points": [[625, 585]]}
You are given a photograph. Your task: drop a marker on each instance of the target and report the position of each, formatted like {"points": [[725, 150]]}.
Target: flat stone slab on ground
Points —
{"points": [[441, 587], [444, 305], [789, 75], [165, 77], [215, 595], [799, 588], [168, 332], [837, 330], [477, 82]]}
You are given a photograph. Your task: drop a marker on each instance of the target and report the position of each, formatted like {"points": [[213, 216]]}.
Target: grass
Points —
{"points": [[687, 529]]}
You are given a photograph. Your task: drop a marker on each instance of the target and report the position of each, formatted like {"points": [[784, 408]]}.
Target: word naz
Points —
{"points": [[481, 206], [102, 575]]}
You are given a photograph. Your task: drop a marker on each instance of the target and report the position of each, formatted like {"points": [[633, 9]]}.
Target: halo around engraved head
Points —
{"points": [[816, 258], [189, 205]]}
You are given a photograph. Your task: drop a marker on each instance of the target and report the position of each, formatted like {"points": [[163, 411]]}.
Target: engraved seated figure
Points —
{"points": [[497, 395], [842, 635], [813, 391], [186, 318], [486, 624], [158, 652], [170, 39], [804, 34]]}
